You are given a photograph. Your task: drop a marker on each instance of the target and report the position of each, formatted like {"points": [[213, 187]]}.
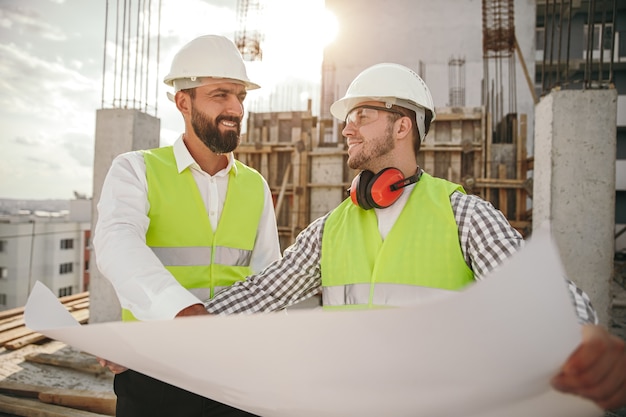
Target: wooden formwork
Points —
{"points": [[453, 149], [461, 147], [308, 180], [277, 144], [506, 183]]}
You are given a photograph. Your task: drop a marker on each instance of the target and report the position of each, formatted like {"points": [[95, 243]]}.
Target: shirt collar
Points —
{"points": [[184, 159]]}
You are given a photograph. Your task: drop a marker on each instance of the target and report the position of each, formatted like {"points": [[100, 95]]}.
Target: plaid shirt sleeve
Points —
{"points": [[487, 239]]}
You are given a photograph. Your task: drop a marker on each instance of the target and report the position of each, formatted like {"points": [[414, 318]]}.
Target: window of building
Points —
{"points": [[67, 243], [66, 268], [599, 44], [3, 245], [4, 272], [3, 299], [65, 291], [540, 39]]}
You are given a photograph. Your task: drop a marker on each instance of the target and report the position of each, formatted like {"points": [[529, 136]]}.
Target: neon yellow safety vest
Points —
{"points": [[180, 233], [360, 270]]}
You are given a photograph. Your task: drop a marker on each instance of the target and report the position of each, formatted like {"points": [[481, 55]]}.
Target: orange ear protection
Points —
{"points": [[369, 190]]}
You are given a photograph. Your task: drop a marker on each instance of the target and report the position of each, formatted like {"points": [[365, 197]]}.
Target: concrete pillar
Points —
{"points": [[574, 185], [117, 131]]}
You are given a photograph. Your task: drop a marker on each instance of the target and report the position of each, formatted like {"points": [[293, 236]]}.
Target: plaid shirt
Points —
{"points": [[485, 235]]}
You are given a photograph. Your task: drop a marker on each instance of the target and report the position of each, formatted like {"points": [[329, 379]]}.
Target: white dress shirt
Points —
{"points": [[141, 282]]}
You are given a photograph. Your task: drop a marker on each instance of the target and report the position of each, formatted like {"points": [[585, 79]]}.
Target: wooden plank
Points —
{"points": [[11, 323], [21, 336], [21, 390], [343, 185], [457, 116], [93, 401], [283, 186], [500, 183], [73, 297], [11, 312], [78, 305], [445, 147], [522, 194], [502, 197], [14, 334], [87, 364], [297, 196], [28, 339], [488, 138], [252, 149], [529, 80], [34, 408], [334, 152], [302, 204]]}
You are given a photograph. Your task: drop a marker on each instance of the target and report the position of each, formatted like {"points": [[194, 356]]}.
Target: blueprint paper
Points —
{"points": [[483, 352]]}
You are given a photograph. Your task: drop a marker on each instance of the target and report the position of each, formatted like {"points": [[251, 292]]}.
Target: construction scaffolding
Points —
{"points": [[505, 182], [248, 36], [308, 178]]}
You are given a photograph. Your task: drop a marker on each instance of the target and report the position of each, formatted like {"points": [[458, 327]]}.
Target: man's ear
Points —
{"points": [[183, 102], [403, 127]]}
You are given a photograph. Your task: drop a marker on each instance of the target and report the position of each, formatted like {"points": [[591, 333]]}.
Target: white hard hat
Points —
{"points": [[207, 57], [393, 84]]}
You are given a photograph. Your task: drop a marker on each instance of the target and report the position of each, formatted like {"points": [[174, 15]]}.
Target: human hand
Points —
{"points": [[596, 370], [193, 310], [113, 367]]}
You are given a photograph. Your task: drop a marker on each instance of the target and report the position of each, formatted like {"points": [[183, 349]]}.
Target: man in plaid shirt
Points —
{"points": [[404, 236]]}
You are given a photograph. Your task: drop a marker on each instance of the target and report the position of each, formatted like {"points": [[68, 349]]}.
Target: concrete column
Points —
{"points": [[574, 185], [117, 131]]}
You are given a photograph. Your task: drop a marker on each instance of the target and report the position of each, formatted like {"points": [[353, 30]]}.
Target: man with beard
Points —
{"points": [[178, 224], [404, 236]]}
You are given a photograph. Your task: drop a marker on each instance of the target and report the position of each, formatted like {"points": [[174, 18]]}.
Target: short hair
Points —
{"points": [[190, 91]]}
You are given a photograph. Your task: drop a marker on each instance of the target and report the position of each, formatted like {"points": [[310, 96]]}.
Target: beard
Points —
{"points": [[372, 149], [208, 132]]}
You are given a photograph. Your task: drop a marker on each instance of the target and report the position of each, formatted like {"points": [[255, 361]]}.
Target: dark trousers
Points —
{"points": [[139, 395]]}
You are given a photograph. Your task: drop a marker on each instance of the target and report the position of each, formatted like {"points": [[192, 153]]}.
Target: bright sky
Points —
{"points": [[51, 57]]}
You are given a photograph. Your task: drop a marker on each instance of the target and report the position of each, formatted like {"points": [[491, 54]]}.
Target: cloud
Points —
{"points": [[51, 80], [28, 21], [27, 141], [45, 165], [80, 146], [51, 90]]}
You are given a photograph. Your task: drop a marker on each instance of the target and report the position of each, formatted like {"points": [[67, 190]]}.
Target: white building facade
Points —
{"points": [[49, 247]]}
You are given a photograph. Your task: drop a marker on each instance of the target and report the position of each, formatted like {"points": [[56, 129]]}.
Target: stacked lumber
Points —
{"points": [[14, 334], [37, 399], [23, 399]]}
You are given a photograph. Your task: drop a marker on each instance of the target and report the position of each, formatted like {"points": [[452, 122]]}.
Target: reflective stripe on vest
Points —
{"points": [[420, 254], [358, 295], [180, 232], [193, 256]]}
